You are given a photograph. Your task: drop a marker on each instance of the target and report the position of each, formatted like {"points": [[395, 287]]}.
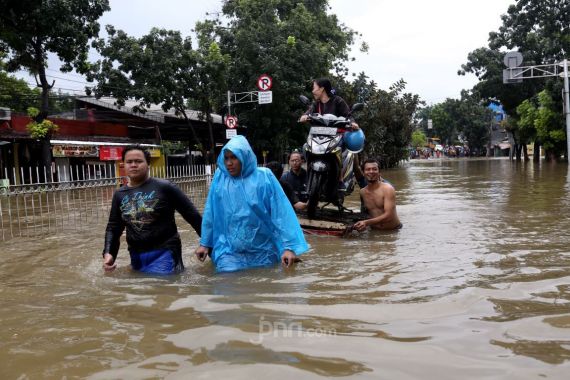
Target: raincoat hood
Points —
{"points": [[248, 220], [240, 147]]}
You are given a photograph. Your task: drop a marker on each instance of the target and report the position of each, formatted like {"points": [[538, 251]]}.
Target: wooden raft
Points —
{"points": [[329, 222]]}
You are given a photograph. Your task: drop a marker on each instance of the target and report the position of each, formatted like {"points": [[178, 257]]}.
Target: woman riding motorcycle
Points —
{"points": [[326, 102]]}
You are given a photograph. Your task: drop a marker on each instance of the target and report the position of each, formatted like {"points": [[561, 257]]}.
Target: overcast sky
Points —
{"points": [[423, 42]]}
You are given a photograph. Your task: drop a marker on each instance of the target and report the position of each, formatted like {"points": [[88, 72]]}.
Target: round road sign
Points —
{"points": [[231, 122], [264, 82], [513, 59]]}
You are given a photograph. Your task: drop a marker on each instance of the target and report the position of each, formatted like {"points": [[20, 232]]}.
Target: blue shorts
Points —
{"points": [[160, 261]]}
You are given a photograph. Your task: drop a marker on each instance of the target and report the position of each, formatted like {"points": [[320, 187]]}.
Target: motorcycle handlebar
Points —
{"points": [[346, 124]]}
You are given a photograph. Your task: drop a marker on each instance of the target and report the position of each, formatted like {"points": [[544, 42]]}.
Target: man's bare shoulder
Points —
{"points": [[387, 190], [386, 186]]}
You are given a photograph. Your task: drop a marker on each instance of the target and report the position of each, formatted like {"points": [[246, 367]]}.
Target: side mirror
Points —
{"points": [[304, 100], [357, 107]]}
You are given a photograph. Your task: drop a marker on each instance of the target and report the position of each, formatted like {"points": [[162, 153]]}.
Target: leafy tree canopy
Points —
{"points": [[387, 119], [162, 68], [293, 42], [540, 30], [538, 114], [15, 93], [30, 29], [419, 139]]}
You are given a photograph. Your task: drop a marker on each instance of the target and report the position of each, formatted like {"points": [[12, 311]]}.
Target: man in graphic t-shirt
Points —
{"points": [[145, 207]]}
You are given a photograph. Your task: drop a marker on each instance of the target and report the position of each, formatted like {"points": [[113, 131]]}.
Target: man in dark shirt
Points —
{"points": [[296, 177], [277, 171], [145, 206]]}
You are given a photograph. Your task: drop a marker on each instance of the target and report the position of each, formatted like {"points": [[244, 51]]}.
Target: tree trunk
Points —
{"points": [[211, 132], [44, 109], [536, 152], [489, 142], [191, 126], [518, 150], [513, 144], [46, 161]]}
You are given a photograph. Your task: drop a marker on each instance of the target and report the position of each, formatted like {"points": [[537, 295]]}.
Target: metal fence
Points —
{"points": [[81, 199]]}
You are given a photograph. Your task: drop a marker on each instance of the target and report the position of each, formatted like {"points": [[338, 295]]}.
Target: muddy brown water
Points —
{"points": [[475, 286]]}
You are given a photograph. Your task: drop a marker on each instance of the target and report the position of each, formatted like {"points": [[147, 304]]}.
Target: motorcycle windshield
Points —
{"points": [[323, 144], [329, 120]]}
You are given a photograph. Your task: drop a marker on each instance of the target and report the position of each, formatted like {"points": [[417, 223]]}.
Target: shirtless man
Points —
{"points": [[379, 198]]}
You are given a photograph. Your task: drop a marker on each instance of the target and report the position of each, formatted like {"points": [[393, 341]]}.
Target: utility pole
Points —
{"points": [[263, 96], [567, 108], [516, 73]]}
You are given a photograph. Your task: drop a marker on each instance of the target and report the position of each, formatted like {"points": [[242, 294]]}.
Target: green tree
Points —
{"points": [[421, 118], [419, 139], [293, 42], [31, 29], [163, 68], [541, 31], [158, 68], [541, 115], [465, 120], [42, 129], [212, 70], [16, 94], [443, 120], [473, 120], [387, 119]]}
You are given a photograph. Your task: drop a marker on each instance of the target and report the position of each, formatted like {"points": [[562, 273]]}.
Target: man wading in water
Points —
{"points": [[145, 206], [379, 199], [248, 220]]}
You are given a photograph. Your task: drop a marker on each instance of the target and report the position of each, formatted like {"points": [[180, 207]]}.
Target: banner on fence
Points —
{"points": [[74, 151], [110, 153]]}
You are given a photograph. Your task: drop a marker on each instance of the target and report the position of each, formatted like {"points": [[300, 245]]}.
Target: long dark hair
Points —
{"points": [[326, 84]]}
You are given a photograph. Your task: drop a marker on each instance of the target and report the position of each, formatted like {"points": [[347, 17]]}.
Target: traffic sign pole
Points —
{"points": [[516, 73], [229, 103], [567, 109], [264, 83]]}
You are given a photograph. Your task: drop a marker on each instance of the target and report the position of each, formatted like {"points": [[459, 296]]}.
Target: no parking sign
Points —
{"points": [[231, 122], [264, 82]]}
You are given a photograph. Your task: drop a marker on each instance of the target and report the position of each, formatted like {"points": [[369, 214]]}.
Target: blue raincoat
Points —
{"points": [[248, 220]]}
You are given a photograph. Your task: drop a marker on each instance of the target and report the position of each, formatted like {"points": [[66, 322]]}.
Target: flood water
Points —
{"points": [[475, 286]]}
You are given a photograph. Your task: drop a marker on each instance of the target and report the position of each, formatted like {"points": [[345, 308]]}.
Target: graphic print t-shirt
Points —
{"points": [[147, 212]]}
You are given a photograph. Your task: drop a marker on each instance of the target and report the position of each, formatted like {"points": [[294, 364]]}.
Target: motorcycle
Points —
{"points": [[326, 158]]}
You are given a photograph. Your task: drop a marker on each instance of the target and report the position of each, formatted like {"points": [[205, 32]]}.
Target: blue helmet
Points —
{"points": [[354, 141]]}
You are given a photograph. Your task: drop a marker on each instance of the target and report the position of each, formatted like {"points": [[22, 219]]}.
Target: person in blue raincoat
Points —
{"points": [[248, 221]]}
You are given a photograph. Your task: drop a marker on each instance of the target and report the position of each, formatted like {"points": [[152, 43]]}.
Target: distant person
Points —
{"points": [[296, 177], [379, 201], [145, 207], [248, 221], [277, 170]]}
